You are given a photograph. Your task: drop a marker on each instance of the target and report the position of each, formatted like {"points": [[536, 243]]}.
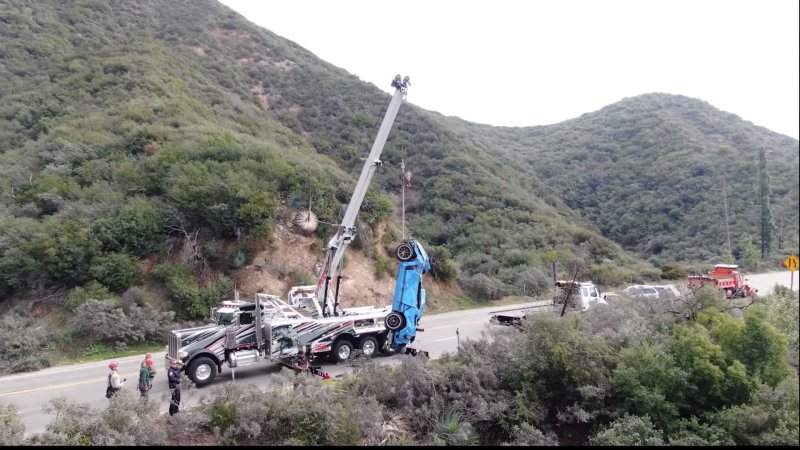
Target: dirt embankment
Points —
{"points": [[291, 259]]}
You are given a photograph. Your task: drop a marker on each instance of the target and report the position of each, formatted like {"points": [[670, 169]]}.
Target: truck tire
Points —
{"points": [[395, 321], [404, 252], [368, 346], [202, 371], [342, 350]]}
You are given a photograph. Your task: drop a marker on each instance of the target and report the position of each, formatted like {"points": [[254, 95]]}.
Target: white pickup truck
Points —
{"points": [[583, 294]]}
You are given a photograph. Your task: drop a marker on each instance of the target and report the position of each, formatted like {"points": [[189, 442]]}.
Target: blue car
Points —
{"points": [[409, 294]]}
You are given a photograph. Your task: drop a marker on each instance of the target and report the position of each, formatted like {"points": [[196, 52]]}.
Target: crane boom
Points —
{"points": [[346, 231]]}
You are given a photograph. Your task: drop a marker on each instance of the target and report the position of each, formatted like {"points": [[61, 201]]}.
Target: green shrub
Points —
{"points": [[442, 266], [672, 271], [629, 431], [92, 289], [23, 344], [118, 271]]}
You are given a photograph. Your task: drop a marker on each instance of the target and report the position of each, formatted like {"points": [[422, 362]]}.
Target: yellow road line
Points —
{"points": [[58, 386]]}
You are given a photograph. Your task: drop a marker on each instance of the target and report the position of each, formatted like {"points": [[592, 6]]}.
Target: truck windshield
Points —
{"points": [[225, 319]]}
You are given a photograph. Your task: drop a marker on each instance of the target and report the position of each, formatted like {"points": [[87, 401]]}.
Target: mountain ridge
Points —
{"points": [[190, 110]]}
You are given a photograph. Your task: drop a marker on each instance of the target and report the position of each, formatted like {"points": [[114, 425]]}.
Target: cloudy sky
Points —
{"points": [[539, 62]]}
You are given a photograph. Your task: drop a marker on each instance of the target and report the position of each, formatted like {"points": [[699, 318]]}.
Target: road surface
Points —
{"points": [[765, 282]]}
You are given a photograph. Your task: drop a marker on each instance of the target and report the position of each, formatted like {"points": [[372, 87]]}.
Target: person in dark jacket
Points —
{"points": [[301, 360], [174, 379]]}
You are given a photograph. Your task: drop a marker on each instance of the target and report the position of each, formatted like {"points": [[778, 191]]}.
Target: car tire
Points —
{"points": [[395, 321], [342, 350], [404, 252], [383, 346], [368, 346], [202, 371]]}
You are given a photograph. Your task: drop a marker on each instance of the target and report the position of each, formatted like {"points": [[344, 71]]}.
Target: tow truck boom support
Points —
{"points": [[346, 230]]}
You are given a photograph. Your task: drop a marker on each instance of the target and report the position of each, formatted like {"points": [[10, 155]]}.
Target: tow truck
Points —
{"points": [[579, 296], [271, 329]]}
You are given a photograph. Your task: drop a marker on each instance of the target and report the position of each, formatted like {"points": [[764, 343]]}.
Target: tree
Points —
{"points": [[749, 254], [649, 383], [766, 213]]}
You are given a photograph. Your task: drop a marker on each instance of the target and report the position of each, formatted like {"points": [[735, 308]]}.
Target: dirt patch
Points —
{"points": [[292, 259]]}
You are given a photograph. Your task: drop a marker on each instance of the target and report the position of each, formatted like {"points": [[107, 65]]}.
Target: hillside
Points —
{"points": [[134, 132]]}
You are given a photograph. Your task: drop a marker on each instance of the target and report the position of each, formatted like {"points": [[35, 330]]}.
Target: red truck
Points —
{"points": [[727, 277]]}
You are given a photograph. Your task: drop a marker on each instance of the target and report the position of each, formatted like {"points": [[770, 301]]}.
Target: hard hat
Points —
{"points": [[113, 365], [148, 361]]}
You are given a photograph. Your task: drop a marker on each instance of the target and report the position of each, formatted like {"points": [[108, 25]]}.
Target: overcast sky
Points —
{"points": [[539, 62]]}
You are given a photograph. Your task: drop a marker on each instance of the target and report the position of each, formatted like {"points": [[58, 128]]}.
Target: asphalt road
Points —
{"points": [[765, 282], [30, 392]]}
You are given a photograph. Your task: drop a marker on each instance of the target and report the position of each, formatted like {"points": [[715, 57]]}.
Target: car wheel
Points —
{"points": [[404, 252], [384, 346], [202, 371], [368, 346], [395, 321], [342, 349]]}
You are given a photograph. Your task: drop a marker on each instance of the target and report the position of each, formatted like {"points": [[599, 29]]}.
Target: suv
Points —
{"points": [[641, 290]]}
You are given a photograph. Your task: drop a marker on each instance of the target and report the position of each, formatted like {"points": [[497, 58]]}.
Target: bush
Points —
{"points": [[118, 271], [126, 421], [772, 418], [672, 272], [289, 413], [442, 266], [529, 436], [11, 428], [80, 294], [136, 229], [23, 344], [481, 286], [629, 431], [105, 321]]}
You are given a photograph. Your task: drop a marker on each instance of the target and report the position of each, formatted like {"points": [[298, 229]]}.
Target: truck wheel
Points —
{"points": [[368, 346], [202, 371], [342, 349], [404, 252], [395, 321]]}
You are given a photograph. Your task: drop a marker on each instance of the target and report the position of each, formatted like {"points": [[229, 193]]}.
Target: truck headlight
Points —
{"points": [[182, 355]]}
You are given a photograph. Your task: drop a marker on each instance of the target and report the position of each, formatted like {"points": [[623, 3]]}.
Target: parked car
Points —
{"points": [[641, 291]]}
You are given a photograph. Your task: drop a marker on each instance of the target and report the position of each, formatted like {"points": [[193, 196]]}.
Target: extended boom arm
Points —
{"points": [[346, 231]]}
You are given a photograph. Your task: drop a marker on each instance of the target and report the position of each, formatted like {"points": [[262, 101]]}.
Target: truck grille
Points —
{"points": [[174, 345]]}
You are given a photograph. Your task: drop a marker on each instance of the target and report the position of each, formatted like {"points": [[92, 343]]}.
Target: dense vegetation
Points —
{"points": [[149, 149], [631, 373]]}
